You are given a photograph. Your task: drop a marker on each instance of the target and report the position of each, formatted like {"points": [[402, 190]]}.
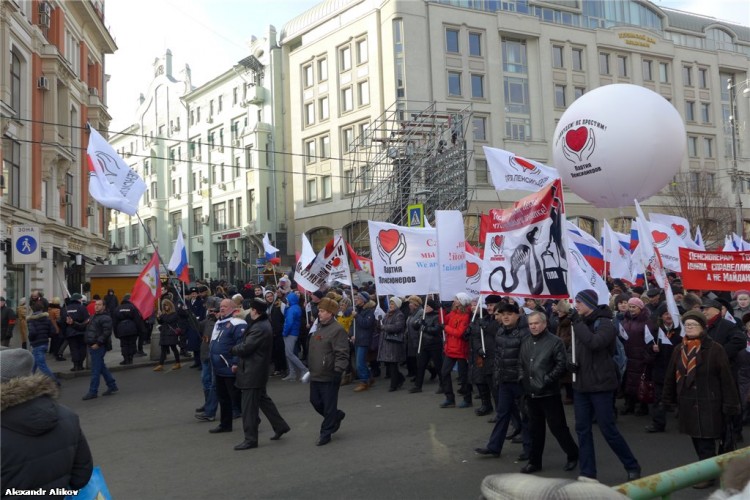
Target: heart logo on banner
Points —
{"points": [[659, 237], [388, 239], [527, 165], [679, 229], [576, 138], [472, 268]]}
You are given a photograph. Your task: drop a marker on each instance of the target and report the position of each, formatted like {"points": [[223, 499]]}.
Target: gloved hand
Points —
{"points": [[572, 367]]}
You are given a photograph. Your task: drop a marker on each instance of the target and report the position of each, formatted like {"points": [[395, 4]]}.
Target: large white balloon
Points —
{"points": [[618, 143]]}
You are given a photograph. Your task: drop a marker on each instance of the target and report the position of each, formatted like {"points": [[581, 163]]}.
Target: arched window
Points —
{"points": [[358, 236], [621, 224], [719, 39], [588, 225], [319, 237]]}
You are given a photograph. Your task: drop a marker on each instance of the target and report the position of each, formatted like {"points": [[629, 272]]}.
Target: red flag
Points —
{"points": [[354, 257], [147, 288]]}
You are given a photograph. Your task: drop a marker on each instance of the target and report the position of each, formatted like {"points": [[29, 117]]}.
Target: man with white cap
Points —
{"points": [[42, 444]]}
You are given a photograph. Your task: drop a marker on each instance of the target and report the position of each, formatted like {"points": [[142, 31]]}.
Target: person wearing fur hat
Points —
{"points": [[392, 350], [42, 444], [634, 322], [596, 380], [699, 380], [362, 330], [413, 322], [328, 358], [456, 351]]}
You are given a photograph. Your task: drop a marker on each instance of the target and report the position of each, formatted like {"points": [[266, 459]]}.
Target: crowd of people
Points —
{"points": [[520, 362]]}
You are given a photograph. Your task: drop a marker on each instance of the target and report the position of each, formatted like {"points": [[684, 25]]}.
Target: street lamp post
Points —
{"points": [[732, 88]]}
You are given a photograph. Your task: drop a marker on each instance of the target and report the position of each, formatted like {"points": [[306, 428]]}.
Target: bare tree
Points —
{"points": [[694, 196]]}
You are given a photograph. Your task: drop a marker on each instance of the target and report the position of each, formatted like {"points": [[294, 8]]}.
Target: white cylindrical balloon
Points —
{"points": [[618, 143]]}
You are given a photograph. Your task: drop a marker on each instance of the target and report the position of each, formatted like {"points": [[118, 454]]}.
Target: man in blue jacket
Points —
{"points": [[227, 333], [292, 325]]}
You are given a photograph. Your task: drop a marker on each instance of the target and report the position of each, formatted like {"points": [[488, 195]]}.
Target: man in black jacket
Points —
{"points": [[128, 325], [254, 353], [42, 444], [7, 321], [595, 381], [74, 319], [98, 334], [543, 362]]}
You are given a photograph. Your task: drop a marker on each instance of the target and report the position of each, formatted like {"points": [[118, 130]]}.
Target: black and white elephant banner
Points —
{"points": [[524, 255]]}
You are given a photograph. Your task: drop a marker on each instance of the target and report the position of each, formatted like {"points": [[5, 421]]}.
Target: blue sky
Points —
{"points": [[212, 35]]}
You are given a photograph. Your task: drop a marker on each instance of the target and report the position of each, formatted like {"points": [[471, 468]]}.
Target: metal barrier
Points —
{"points": [[667, 482]]}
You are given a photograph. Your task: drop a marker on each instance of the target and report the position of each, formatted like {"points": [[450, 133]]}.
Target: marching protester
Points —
{"points": [[362, 330], [413, 325], [98, 338], [595, 382], [290, 332], [431, 348], [668, 337], [699, 380], [483, 331], [54, 311], [634, 322], [74, 317], [169, 334], [275, 311], [41, 329], [456, 352], [542, 363], [207, 411], [392, 343], [128, 325], [564, 322], [328, 357]]}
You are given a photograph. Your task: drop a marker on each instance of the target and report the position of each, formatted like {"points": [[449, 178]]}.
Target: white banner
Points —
{"points": [[404, 259], [451, 252], [679, 225], [329, 265], [509, 171], [615, 253], [668, 243], [473, 271]]}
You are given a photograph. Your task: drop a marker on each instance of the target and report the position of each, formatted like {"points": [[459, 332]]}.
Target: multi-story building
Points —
{"points": [[212, 161], [385, 97], [53, 84]]}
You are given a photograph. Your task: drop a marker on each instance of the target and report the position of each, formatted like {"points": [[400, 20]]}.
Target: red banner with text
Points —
{"points": [[728, 271]]}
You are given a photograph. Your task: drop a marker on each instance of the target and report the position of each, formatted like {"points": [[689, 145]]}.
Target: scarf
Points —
{"points": [[686, 363]]}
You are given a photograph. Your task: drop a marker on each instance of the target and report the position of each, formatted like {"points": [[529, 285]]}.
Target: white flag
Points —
{"points": [[308, 254], [729, 317], [268, 248], [623, 334], [112, 182], [648, 337], [617, 254], [647, 248], [451, 252], [663, 337], [699, 239], [509, 171]]}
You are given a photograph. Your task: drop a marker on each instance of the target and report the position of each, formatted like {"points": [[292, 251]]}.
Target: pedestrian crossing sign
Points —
{"points": [[416, 215]]}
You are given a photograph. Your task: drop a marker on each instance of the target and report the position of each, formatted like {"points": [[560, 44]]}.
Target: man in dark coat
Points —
{"points": [[7, 321], [128, 325], [226, 334], [74, 319], [42, 444], [98, 339], [362, 330], [251, 372], [483, 353], [595, 383]]}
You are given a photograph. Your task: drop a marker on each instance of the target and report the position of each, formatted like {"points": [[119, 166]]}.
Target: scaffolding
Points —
{"points": [[413, 153]]}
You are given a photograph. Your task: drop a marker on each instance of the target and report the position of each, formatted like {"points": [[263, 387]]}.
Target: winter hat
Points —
{"points": [[653, 292], [589, 298], [509, 307], [318, 294], [463, 298], [696, 316], [493, 299], [635, 301], [707, 302], [15, 363], [76, 296], [364, 296], [396, 301], [435, 305], [329, 305], [259, 305], [415, 300]]}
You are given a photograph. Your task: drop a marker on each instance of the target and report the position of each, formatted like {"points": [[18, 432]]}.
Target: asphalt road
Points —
{"points": [[391, 445]]}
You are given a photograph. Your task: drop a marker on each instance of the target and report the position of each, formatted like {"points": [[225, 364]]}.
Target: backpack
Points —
{"points": [[619, 357]]}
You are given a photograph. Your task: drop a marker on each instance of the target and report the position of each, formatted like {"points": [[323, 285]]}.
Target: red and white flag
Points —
{"points": [[509, 171], [147, 288], [112, 183]]}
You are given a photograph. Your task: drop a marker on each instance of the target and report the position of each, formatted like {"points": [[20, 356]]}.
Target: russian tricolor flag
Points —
{"points": [[179, 261], [588, 246]]}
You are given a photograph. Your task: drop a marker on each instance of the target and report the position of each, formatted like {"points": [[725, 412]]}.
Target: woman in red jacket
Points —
{"points": [[457, 351]]}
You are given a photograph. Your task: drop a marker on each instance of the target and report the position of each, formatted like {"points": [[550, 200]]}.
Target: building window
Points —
{"points": [[307, 72], [454, 83], [481, 173], [175, 219], [325, 185], [647, 76], [347, 100], [703, 78], [479, 126], [363, 92], [692, 143], [514, 56], [323, 108], [706, 112], [322, 70], [687, 76], [578, 92], [689, 111], [69, 190], [518, 129], [603, 63], [361, 48], [477, 86], [475, 44], [516, 95], [235, 94], [309, 113], [400, 84], [398, 40], [135, 235], [10, 187], [312, 190], [557, 56], [310, 155], [198, 220], [622, 66], [347, 140], [578, 59], [15, 83], [451, 41], [220, 216], [349, 182], [663, 72], [559, 96], [251, 205], [325, 147], [345, 58], [708, 147], [154, 190], [230, 214]]}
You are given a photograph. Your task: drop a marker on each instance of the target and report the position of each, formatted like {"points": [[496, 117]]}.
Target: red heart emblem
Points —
{"points": [[678, 228], [659, 237], [472, 268], [498, 240], [388, 239], [525, 163], [576, 138], [336, 262]]}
